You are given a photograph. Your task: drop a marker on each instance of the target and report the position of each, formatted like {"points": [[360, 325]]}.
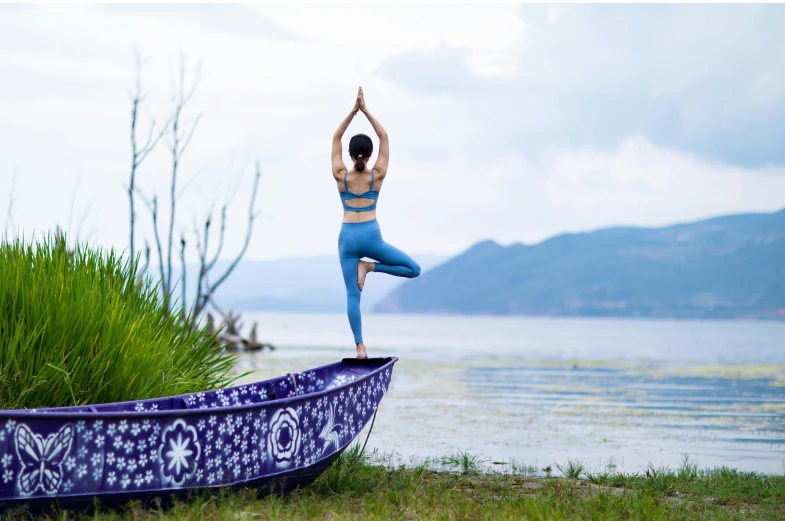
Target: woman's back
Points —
{"points": [[360, 182], [359, 194]]}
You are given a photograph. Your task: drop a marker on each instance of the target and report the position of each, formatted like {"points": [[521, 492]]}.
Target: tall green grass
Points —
{"points": [[79, 326]]}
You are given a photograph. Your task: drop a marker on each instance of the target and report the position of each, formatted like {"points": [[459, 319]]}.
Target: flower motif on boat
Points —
{"points": [[42, 459], [340, 380], [179, 452], [283, 441]]}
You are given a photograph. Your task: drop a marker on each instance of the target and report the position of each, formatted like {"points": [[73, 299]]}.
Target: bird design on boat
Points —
{"points": [[331, 432]]}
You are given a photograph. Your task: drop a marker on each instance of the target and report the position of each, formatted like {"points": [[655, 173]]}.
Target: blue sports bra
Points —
{"points": [[347, 196]]}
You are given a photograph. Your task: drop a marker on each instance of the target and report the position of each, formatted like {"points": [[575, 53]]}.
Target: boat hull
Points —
{"points": [[278, 434]]}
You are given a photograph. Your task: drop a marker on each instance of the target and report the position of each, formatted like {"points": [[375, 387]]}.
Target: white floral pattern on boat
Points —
{"points": [[284, 438], [179, 452], [138, 451], [340, 380]]}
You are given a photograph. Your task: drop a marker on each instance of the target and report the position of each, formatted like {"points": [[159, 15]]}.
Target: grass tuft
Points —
{"points": [[573, 469], [688, 470], [80, 326], [466, 462]]}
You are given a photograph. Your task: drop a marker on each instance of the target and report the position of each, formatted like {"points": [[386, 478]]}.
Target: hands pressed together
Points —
{"points": [[359, 103]]}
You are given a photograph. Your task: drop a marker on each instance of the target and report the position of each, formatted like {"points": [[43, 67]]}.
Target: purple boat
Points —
{"points": [[276, 434]]}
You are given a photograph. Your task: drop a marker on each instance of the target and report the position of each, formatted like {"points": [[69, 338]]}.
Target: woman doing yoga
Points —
{"points": [[360, 235]]}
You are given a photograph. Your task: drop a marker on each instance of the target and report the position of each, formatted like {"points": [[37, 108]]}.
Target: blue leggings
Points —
{"points": [[358, 240]]}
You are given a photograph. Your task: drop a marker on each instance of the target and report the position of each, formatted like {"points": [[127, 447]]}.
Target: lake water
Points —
{"points": [[540, 391]]}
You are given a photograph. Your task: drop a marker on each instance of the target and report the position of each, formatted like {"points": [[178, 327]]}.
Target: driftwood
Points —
{"points": [[230, 334]]}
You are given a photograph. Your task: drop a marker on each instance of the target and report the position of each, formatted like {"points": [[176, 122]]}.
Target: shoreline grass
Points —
{"points": [[375, 491], [80, 326]]}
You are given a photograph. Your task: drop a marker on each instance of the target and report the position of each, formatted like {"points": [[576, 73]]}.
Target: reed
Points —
{"points": [[79, 326]]}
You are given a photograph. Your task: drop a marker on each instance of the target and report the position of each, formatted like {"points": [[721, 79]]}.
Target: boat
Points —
{"points": [[276, 435]]}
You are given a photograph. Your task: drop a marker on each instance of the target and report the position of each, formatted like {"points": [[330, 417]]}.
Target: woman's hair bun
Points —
{"points": [[360, 148]]}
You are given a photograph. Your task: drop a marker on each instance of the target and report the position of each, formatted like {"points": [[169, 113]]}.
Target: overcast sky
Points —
{"points": [[513, 123]]}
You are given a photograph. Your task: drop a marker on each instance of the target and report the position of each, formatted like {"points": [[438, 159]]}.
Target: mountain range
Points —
{"points": [[724, 267]]}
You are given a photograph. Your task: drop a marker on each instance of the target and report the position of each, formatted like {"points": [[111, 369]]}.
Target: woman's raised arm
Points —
{"points": [[337, 152], [384, 141]]}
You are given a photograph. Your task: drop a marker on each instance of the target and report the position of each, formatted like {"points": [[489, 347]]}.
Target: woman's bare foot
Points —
{"points": [[363, 268], [361, 353]]}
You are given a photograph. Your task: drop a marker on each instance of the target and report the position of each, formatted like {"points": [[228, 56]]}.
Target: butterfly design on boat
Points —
{"points": [[42, 458]]}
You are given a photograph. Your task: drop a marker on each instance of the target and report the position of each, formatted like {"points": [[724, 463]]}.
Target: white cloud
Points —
{"points": [[636, 183], [554, 13], [278, 98], [369, 34]]}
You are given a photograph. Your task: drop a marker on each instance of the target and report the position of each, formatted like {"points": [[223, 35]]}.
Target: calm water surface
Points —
{"points": [[540, 391]]}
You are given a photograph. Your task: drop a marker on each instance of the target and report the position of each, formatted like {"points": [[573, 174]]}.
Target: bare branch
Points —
{"points": [[147, 202], [190, 181], [201, 273], [144, 269], [251, 217], [178, 145], [186, 97], [138, 155], [207, 224], [187, 139], [148, 144], [152, 141], [146, 255], [177, 134], [224, 316], [135, 100], [172, 208], [220, 239], [153, 207], [183, 279]]}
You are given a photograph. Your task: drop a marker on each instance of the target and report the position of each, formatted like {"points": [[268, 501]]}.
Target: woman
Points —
{"points": [[360, 234]]}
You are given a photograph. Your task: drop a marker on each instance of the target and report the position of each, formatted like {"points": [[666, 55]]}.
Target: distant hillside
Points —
{"points": [[726, 267]]}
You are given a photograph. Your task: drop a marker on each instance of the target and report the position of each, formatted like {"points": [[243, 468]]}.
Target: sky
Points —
{"points": [[506, 122]]}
